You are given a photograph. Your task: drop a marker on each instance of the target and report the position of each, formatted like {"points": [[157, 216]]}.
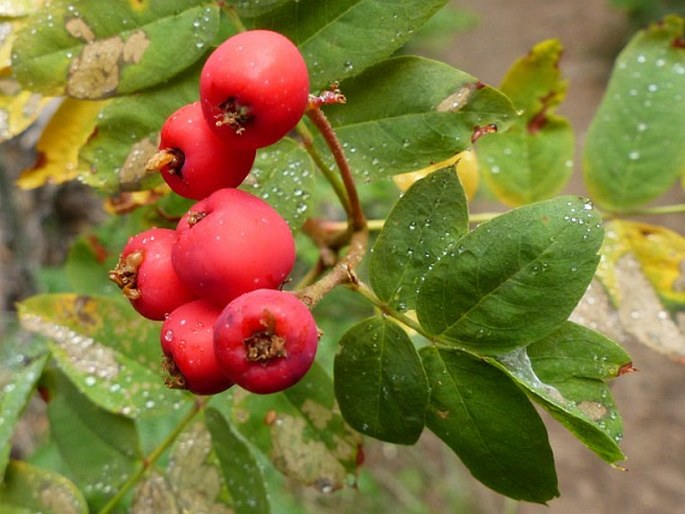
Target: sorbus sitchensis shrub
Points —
{"points": [[265, 340]]}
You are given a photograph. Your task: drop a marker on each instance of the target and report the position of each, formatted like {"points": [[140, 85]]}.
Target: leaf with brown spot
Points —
{"points": [[126, 135], [31, 489], [88, 52], [640, 296], [68, 130], [305, 436], [566, 373], [90, 339]]}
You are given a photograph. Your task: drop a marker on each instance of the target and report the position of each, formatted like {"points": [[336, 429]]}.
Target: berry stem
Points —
{"points": [[342, 273], [660, 209], [232, 14], [356, 216], [333, 179], [153, 457]]}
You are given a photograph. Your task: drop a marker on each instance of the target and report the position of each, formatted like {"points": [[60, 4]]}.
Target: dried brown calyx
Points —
{"points": [[125, 274]]}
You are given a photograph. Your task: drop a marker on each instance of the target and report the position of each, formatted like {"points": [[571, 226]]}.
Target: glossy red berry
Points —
{"points": [[187, 338], [146, 276], [231, 243], [254, 88], [265, 340], [193, 160]]}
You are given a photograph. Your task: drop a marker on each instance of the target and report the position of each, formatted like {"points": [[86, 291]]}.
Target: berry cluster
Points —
{"points": [[215, 280]]}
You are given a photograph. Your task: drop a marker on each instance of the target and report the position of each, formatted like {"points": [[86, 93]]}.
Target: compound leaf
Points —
{"points": [[491, 293], [283, 175]]}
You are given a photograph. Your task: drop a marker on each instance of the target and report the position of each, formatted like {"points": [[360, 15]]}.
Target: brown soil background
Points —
{"points": [[651, 401]]}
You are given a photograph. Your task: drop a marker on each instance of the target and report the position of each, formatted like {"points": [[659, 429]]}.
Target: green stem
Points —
{"points": [[365, 291], [480, 217], [151, 459], [331, 177], [663, 209], [233, 16]]}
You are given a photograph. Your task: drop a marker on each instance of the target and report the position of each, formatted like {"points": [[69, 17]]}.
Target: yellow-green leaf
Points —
{"points": [[639, 291], [84, 50], [18, 108], [16, 8], [60, 142], [532, 160], [660, 253]]}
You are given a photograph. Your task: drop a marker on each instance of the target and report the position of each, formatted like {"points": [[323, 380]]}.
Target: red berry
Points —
{"points": [[265, 340], [146, 276], [254, 88], [193, 160], [187, 339], [230, 243]]}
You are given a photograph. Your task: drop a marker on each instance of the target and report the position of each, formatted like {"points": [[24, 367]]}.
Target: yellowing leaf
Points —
{"points": [[639, 292], [465, 164], [58, 147], [12, 8], [659, 251], [18, 108]]}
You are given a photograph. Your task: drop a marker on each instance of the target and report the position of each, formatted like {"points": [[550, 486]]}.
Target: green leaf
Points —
{"points": [[21, 365], [301, 431], [490, 424], [533, 159], [422, 226], [107, 350], [634, 151], [76, 48], [341, 39], [493, 292], [28, 489], [19, 7], [248, 8], [192, 481], [126, 135], [283, 175], [100, 448], [566, 373], [242, 473], [407, 113], [379, 382]]}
